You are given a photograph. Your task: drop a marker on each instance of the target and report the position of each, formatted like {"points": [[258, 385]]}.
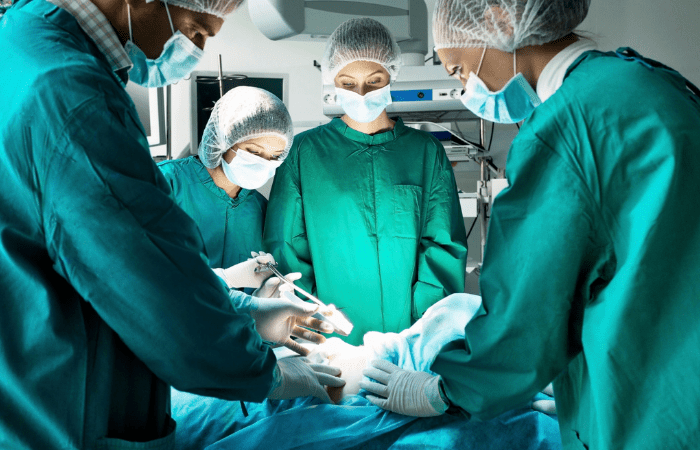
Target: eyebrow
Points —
{"points": [[373, 73], [262, 148]]}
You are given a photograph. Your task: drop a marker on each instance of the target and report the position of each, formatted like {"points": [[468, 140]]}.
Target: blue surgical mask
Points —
{"points": [[249, 171], [179, 58], [513, 103], [364, 108]]}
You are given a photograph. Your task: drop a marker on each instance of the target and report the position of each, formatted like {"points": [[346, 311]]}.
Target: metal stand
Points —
{"points": [[220, 80], [484, 191], [168, 128]]}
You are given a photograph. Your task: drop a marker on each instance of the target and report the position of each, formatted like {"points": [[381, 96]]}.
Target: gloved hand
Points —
{"points": [[278, 318], [404, 391], [296, 377], [245, 275], [273, 286], [546, 406]]}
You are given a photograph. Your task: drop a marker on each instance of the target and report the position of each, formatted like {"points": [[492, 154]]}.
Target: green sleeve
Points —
{"points": [[285, 229], [543, 257], [117, 237], [442, 251]]}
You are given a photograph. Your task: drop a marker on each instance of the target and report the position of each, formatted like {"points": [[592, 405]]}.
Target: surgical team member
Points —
{"points": [[247, 137], [365, 207], [106, 295], [591, 275]]}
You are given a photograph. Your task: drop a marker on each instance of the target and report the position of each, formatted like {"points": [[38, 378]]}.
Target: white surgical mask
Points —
{"points": [[249, 171], [178, 59], [513, 103], [364, 108]]}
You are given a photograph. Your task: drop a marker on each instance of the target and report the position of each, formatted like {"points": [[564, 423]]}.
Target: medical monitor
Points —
{"points": [[150, 106]]}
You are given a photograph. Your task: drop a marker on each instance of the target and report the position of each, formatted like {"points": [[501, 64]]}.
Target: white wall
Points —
{"points": [[666, 31]]}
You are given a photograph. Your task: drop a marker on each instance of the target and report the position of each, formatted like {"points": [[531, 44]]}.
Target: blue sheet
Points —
{"points": [[216, 424]]}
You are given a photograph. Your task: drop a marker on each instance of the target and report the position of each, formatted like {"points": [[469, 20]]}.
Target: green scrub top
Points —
{"points": [[592, 267], [106, 296], [231, 227], [373, 223]]}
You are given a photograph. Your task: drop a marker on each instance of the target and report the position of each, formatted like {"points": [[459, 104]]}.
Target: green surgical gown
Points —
{"points": [[373, 223], [106, 296], [592, 265], [231, 227]]}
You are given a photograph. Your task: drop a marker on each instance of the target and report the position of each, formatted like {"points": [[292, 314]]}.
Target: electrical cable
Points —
{"points": [[493, 125], [472, 227]]}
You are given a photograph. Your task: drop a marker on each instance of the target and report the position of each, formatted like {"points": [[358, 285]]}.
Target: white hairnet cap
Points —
{"points": [[219, 8], [244, 113], [361, 39], [505, 25]]}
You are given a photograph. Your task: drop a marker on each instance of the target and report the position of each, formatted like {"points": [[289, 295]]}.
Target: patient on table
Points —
{"points": [[356, 422]]}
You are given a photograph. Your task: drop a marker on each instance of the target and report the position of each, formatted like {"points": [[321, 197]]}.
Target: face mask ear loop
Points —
{"points": [[128, 14], [514, 70], [172, 28], [223, 160], [480, 62]]}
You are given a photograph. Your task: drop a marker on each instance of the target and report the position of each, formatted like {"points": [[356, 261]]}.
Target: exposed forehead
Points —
{"points": [[459, 56], [358, 69]]}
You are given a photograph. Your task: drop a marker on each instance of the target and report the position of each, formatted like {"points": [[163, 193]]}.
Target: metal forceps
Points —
{"points": [[337, 319]]}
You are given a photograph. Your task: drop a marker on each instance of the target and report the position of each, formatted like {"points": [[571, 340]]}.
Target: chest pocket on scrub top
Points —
{"points": [[407, 201]]}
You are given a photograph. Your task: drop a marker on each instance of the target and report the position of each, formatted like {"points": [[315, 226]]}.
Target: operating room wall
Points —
{"points": [[665, 31]]}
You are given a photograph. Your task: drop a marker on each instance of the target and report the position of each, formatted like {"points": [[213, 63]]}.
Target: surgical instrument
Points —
{"points": [[337, 318]]}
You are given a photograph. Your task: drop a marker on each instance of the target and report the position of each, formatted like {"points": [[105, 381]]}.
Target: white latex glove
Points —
{"points": [[297, 377], [276, 319], [244, 275], [546, 406], [405, 392], [273, 286]]}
